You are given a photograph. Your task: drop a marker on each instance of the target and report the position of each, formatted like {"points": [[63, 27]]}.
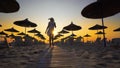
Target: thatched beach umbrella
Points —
{"points": [[38, 34], [72, 35], [21, 33], [3, 33], [118, 29], [41, 36], [101, 9], [97, 27], [0, 25], [59, 35], [11, 30], [63, 31], [8, 6], [72, 27], [80, 38], [25, 23], [100, 33], [87, 35], [12, 35], [34, 31]]}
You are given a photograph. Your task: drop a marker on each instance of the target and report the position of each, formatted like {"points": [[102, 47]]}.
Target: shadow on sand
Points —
{"points": [[45, 61]]}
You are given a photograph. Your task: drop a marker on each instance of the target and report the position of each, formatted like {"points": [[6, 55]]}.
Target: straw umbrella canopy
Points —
{"points": [[63, 31], [97, 27], [118, 29], [12, 35], [21, 33], [80, 37], [0, 25], [11, 30], [3, 33], [101, 9], [34, 31], [25, 23], [72, 35], [40, 35], [99, 33], [59, 35], [8, 6], [72, 27], [87, 35]]}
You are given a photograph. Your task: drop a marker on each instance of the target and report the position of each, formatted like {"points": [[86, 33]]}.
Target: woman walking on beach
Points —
{"points": [[50, 29]]}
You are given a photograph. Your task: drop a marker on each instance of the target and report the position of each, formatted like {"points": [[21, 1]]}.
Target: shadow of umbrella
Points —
{"points": [[101, 9], [9, 6], [72, 27], [118, 29], [11, 30], [87, 35], [25, 23], [97, 27]]}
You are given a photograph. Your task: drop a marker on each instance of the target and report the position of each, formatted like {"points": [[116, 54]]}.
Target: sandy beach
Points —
{"points": [[94, 56], [20, 57], [81, 56]]}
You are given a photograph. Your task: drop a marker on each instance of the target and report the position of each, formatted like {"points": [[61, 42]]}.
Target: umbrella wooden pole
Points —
{"points": [[97, 32], [25, 30], [72, 32], [104, 39]]}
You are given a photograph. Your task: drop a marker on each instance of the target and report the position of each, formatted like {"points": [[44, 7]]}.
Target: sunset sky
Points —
{"points": [[63, 11]]}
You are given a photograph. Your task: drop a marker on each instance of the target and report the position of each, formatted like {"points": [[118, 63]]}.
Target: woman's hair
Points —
{"points": [[51, 19]]}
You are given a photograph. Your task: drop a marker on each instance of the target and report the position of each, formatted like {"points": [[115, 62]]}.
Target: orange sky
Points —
{"points": [[63, 11]]}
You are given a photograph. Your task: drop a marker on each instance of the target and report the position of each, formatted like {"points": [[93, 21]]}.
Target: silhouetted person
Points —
{"points": [[50, 29]]}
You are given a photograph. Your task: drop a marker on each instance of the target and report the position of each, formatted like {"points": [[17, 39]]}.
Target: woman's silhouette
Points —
{"points": [[50, 29]]}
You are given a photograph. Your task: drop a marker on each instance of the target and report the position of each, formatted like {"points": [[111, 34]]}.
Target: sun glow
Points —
{"points": [[55, 32]]}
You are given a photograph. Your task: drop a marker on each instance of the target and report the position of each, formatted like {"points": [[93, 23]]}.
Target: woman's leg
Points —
{"points": [[50, 41]]}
